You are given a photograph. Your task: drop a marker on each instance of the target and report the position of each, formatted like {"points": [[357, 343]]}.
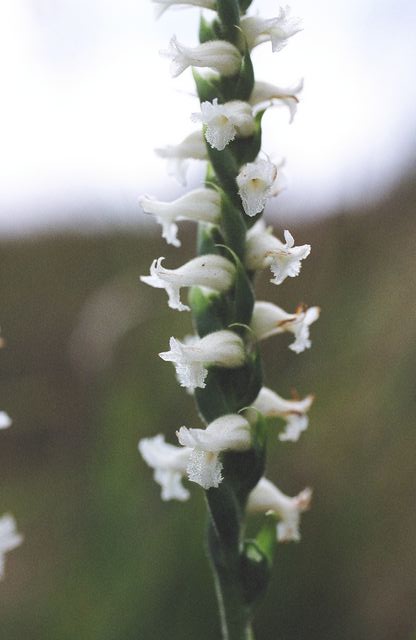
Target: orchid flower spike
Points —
{"points": [[266, 497], [265, 94], [278, 30], [191, 148], [9, 538], [169, 463], [211, 271], [191, 359], [228, 433], [265, 250], [163, 5], [255, 184], [268, 319], [201, 205], [5, 420], [270, 404], [225, 121], [219, 55]]}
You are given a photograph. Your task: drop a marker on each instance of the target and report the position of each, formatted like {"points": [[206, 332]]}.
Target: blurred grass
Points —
{"points": [[104, 558]]}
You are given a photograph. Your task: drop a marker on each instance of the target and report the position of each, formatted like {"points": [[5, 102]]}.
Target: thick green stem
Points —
{"points": [[234, 612]]}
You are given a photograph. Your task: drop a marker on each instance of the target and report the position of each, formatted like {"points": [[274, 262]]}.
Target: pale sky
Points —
{"points": [[86, 97]]}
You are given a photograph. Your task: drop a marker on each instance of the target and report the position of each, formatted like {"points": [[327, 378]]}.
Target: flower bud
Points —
{"points": [[5, 420], [211, 271], [266, 497], [227, 433]]}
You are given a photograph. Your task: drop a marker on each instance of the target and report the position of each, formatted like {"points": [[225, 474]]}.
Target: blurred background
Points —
{"points": [[85, 99]]}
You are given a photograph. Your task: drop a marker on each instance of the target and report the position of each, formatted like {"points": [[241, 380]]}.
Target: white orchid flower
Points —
{"points": [[225, 121], [255, 185], [210, 271], [227, 433], [266, 497], [276, 30], [9, 538], [219, 55], [163, 5], [265, 250], [294, 412], [268, 319], [220, 348], [265, 94], [191, 148], [200, 205], [169, 463]]}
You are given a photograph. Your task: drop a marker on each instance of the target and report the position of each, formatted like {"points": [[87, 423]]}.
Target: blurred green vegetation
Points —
{"points": [[104, 558]]}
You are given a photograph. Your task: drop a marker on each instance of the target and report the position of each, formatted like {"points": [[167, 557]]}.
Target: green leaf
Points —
{"points": [[243, 298], [230, 390], [207, 30], [266, 539], [245, 83], [207, 87], [244, 5], [226, 515], [247, 149], [233, 226], [229, 14], [209, 238], [255, 572], [226, 168], [209, 311]]}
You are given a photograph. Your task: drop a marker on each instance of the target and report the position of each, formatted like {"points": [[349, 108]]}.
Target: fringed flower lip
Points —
{"points": [[193, 356], [231, 432]]}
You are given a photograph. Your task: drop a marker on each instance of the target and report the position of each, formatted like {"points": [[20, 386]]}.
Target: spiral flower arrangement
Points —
{"points": [[221, 363]]}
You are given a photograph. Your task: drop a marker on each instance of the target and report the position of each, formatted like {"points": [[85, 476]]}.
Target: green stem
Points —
{"points": [[233, 612]]}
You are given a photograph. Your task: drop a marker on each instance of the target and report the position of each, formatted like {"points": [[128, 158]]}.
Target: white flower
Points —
{"points": [[268, 319], [221, 349], [200, 205], [5, 420], [169, 464], [211, 271], [228, 433], [9, 538], [163, 5], [178, 156], [294, 412], [266, 497], [225, 121], [219, 55], [278, 30], [255, 184], [265, 250], [265, 94]]}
